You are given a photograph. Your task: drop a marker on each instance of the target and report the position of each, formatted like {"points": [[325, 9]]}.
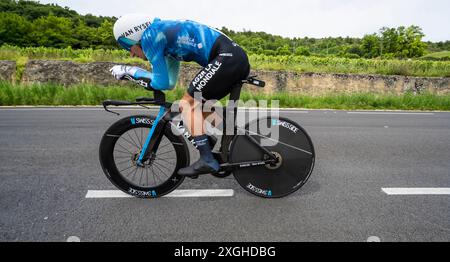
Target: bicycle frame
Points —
{"points": [[165, 116]]}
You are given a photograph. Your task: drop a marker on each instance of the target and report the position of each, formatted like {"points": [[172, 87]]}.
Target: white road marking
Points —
{"points": [[174, 194], [73, 239], [390, 113], [417, 191], [374, 239]]}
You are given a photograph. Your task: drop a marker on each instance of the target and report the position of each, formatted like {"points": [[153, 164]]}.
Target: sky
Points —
{"points": [[289, 18]]}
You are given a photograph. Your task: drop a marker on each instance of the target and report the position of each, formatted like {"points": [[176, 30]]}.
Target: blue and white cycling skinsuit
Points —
{"points": [[166, 43]]}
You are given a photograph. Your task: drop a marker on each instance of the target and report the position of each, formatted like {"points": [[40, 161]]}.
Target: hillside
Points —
{"points": [[31, 24]]}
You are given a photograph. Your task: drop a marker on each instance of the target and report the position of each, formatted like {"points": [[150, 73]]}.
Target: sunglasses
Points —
{"points": [[126, 43]]}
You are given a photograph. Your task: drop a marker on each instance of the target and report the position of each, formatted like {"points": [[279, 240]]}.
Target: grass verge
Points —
{"points": [[58, 95]]}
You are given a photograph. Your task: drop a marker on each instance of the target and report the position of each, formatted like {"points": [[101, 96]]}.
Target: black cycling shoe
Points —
{"points": [[198, 168]]}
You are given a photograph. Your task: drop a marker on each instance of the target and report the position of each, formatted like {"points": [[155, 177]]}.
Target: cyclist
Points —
{"points": [[164, 44]]}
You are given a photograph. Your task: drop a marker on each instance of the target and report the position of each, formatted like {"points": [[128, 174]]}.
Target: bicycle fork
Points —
{"points": [[153, 139]]}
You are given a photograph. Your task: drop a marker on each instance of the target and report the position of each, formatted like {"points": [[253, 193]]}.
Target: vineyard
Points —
{"points": [[411, 67]]}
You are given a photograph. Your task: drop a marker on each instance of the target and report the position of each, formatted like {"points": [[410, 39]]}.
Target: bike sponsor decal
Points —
{"points": [[145, 121], [262, 163], [184, 132], [207, 73], [142, 193], [277, 122], [259, 190]]}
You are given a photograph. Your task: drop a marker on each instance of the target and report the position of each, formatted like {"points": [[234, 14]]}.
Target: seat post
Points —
{"points": [[235, 93], [235, 96], [232, 107]]}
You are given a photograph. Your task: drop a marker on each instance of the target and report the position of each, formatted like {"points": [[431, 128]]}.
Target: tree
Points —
{"points": [[283, 50], [52, 31], [86, 37], [371, 46], [402, 42], [105, 35], [302, 51], [414, 45], [30, 23], [14, 30]]}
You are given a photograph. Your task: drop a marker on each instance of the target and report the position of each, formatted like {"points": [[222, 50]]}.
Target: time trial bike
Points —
{"points": [[141, 154]]}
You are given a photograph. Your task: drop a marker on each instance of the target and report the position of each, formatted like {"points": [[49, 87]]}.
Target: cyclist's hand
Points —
{"points": [[120, 71]]}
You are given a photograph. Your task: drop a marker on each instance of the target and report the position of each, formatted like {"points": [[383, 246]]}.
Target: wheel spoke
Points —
{"points": [[156, 166], [126, 169], [134, 174], [135, 170], [128, 141], [142, 136], [140, 179], [159, 154], [135, 144], [146, 175], [123, 148], [168, 144], [137, 137], [123, 157], [123, 162], [164, 160], [154, 175], [162, 166]]}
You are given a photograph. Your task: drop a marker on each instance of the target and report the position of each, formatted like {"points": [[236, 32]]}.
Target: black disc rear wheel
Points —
{"points": [[289, 143]]}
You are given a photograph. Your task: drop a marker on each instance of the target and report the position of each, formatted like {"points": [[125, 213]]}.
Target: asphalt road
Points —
{"points": [[49, 160]]}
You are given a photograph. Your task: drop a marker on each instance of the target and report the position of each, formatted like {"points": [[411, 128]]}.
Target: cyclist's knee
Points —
{"points": [[187, 103]]}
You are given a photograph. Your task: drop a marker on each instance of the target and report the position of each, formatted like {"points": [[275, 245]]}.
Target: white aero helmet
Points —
{"points": [[128, 29]]}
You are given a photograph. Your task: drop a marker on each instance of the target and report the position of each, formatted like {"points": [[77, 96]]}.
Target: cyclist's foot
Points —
{"points": [[200, 167]]}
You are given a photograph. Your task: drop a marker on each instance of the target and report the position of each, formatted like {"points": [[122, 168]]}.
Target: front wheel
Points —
{"points": [[120, 149], [285, 139]]}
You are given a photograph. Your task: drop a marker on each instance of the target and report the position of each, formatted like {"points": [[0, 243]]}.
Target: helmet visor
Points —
{"points": [[126, 43]]}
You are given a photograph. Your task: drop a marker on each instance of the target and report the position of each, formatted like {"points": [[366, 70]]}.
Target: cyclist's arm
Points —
{"points": [[165, 69]]}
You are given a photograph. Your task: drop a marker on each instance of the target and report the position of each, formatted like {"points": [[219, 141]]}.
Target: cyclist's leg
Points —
{"points": [[191, 111], [194, 121], [213, 82]]}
